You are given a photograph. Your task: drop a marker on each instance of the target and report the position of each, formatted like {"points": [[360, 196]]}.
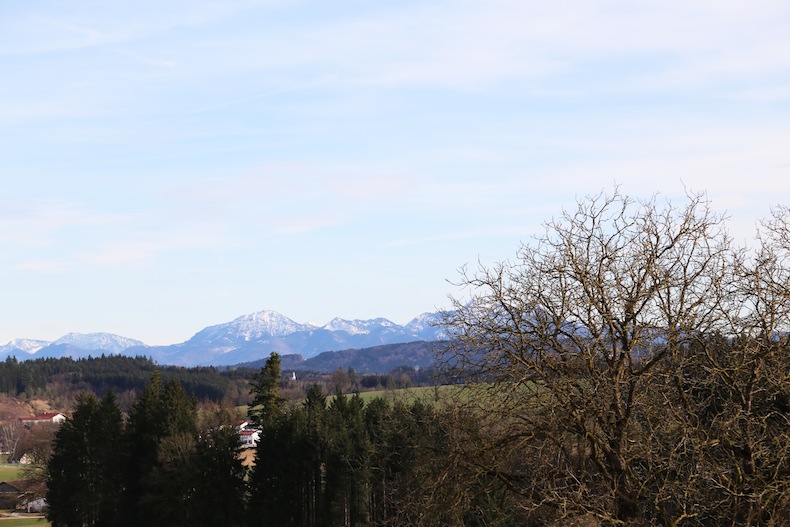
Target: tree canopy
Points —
{"points": [[627, 366]]}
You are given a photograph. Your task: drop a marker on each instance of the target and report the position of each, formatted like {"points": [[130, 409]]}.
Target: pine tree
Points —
{"points": [[348, 462], [220, 488], [84, 481], [144, 429], [180, 410], [266, 404], [161, 427]]}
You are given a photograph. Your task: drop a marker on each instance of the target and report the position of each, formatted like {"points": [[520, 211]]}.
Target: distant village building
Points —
{"points": [[37, 506], [249, 438], [45, 418], [241, 425], [23, 494]]}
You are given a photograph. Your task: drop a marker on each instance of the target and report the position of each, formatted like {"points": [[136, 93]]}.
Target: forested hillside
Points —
{"points": [[61, 379], [63, 376], [375, 360]]}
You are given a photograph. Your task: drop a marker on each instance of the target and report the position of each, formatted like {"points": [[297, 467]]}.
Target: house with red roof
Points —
{"points": [[249, 438], [45, 418]]}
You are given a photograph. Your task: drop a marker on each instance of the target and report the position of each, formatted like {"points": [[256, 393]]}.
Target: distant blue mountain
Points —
{"points": [[245, 339]]}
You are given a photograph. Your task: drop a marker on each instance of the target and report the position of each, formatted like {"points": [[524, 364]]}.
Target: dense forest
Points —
{"points": [[317, 463], [374, 360], [61, 379], [116, 373]]}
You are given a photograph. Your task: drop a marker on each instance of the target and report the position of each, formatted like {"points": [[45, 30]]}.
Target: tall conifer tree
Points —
{"points": [[84, 481]]}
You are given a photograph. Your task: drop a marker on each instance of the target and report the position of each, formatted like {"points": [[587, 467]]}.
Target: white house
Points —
{"points": [[49, 417], [249, 438], [241, 425]]}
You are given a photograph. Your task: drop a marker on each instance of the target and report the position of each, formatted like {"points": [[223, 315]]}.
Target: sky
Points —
{"points": [[170, 165]]}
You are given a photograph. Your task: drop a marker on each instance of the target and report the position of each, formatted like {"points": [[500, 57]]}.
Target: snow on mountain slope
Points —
{"points": [[250, 327], [29, 346], [106, 342], [356, 326], [246, 338]]}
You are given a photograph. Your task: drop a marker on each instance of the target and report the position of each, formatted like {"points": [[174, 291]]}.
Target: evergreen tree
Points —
{"points": [[108, 431], [313, 456], [287, 485], [168, 489], [271, 492], [347, 465], [266, 404], [144, 429], [220, 489], [160, 430], [180, 410], [84, 481]]}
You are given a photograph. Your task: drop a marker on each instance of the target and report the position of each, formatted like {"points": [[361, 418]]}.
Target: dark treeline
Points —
{"points": [[65, 377], [317, 464], [342, 464], [154, 468], [376, 359], [116, 373]]}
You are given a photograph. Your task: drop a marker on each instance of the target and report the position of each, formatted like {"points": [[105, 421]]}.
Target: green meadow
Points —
{"points": [[9, 472], [426, 394], [23, 522]]}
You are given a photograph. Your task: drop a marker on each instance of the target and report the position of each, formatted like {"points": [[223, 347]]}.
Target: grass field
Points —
{"points": [[23, 522], [9, 472], [426, 394]]}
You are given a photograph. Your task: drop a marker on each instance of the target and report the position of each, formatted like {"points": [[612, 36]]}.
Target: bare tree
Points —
{"points": [[735, 410], [571, 345], [12, 432]]}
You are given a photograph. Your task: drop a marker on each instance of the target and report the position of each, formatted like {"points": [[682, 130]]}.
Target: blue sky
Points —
{"points": [[171, 165]]}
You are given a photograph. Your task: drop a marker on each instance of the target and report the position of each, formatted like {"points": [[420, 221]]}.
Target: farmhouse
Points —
{"points": [[22, 494], [241, 424], [46, 418], [249, 438]]}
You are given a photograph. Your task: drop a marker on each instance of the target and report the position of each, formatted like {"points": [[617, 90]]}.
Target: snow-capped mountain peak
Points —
{"points": [[250, 327], [27, 345], [424, 321], [98, 341], [269, 323], [244, 339], [428, 325], [356, 327]]}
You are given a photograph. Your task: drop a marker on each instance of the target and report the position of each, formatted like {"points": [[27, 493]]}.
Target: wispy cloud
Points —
{"points": [[40, 222]]}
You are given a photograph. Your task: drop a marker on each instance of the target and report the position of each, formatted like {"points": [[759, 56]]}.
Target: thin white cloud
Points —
{"points": [[197, 139], [472, 44], [40, 28], [39, 222]]}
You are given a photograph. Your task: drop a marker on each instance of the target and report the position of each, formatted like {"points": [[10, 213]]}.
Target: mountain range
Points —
{"points": [[245, 339]]}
